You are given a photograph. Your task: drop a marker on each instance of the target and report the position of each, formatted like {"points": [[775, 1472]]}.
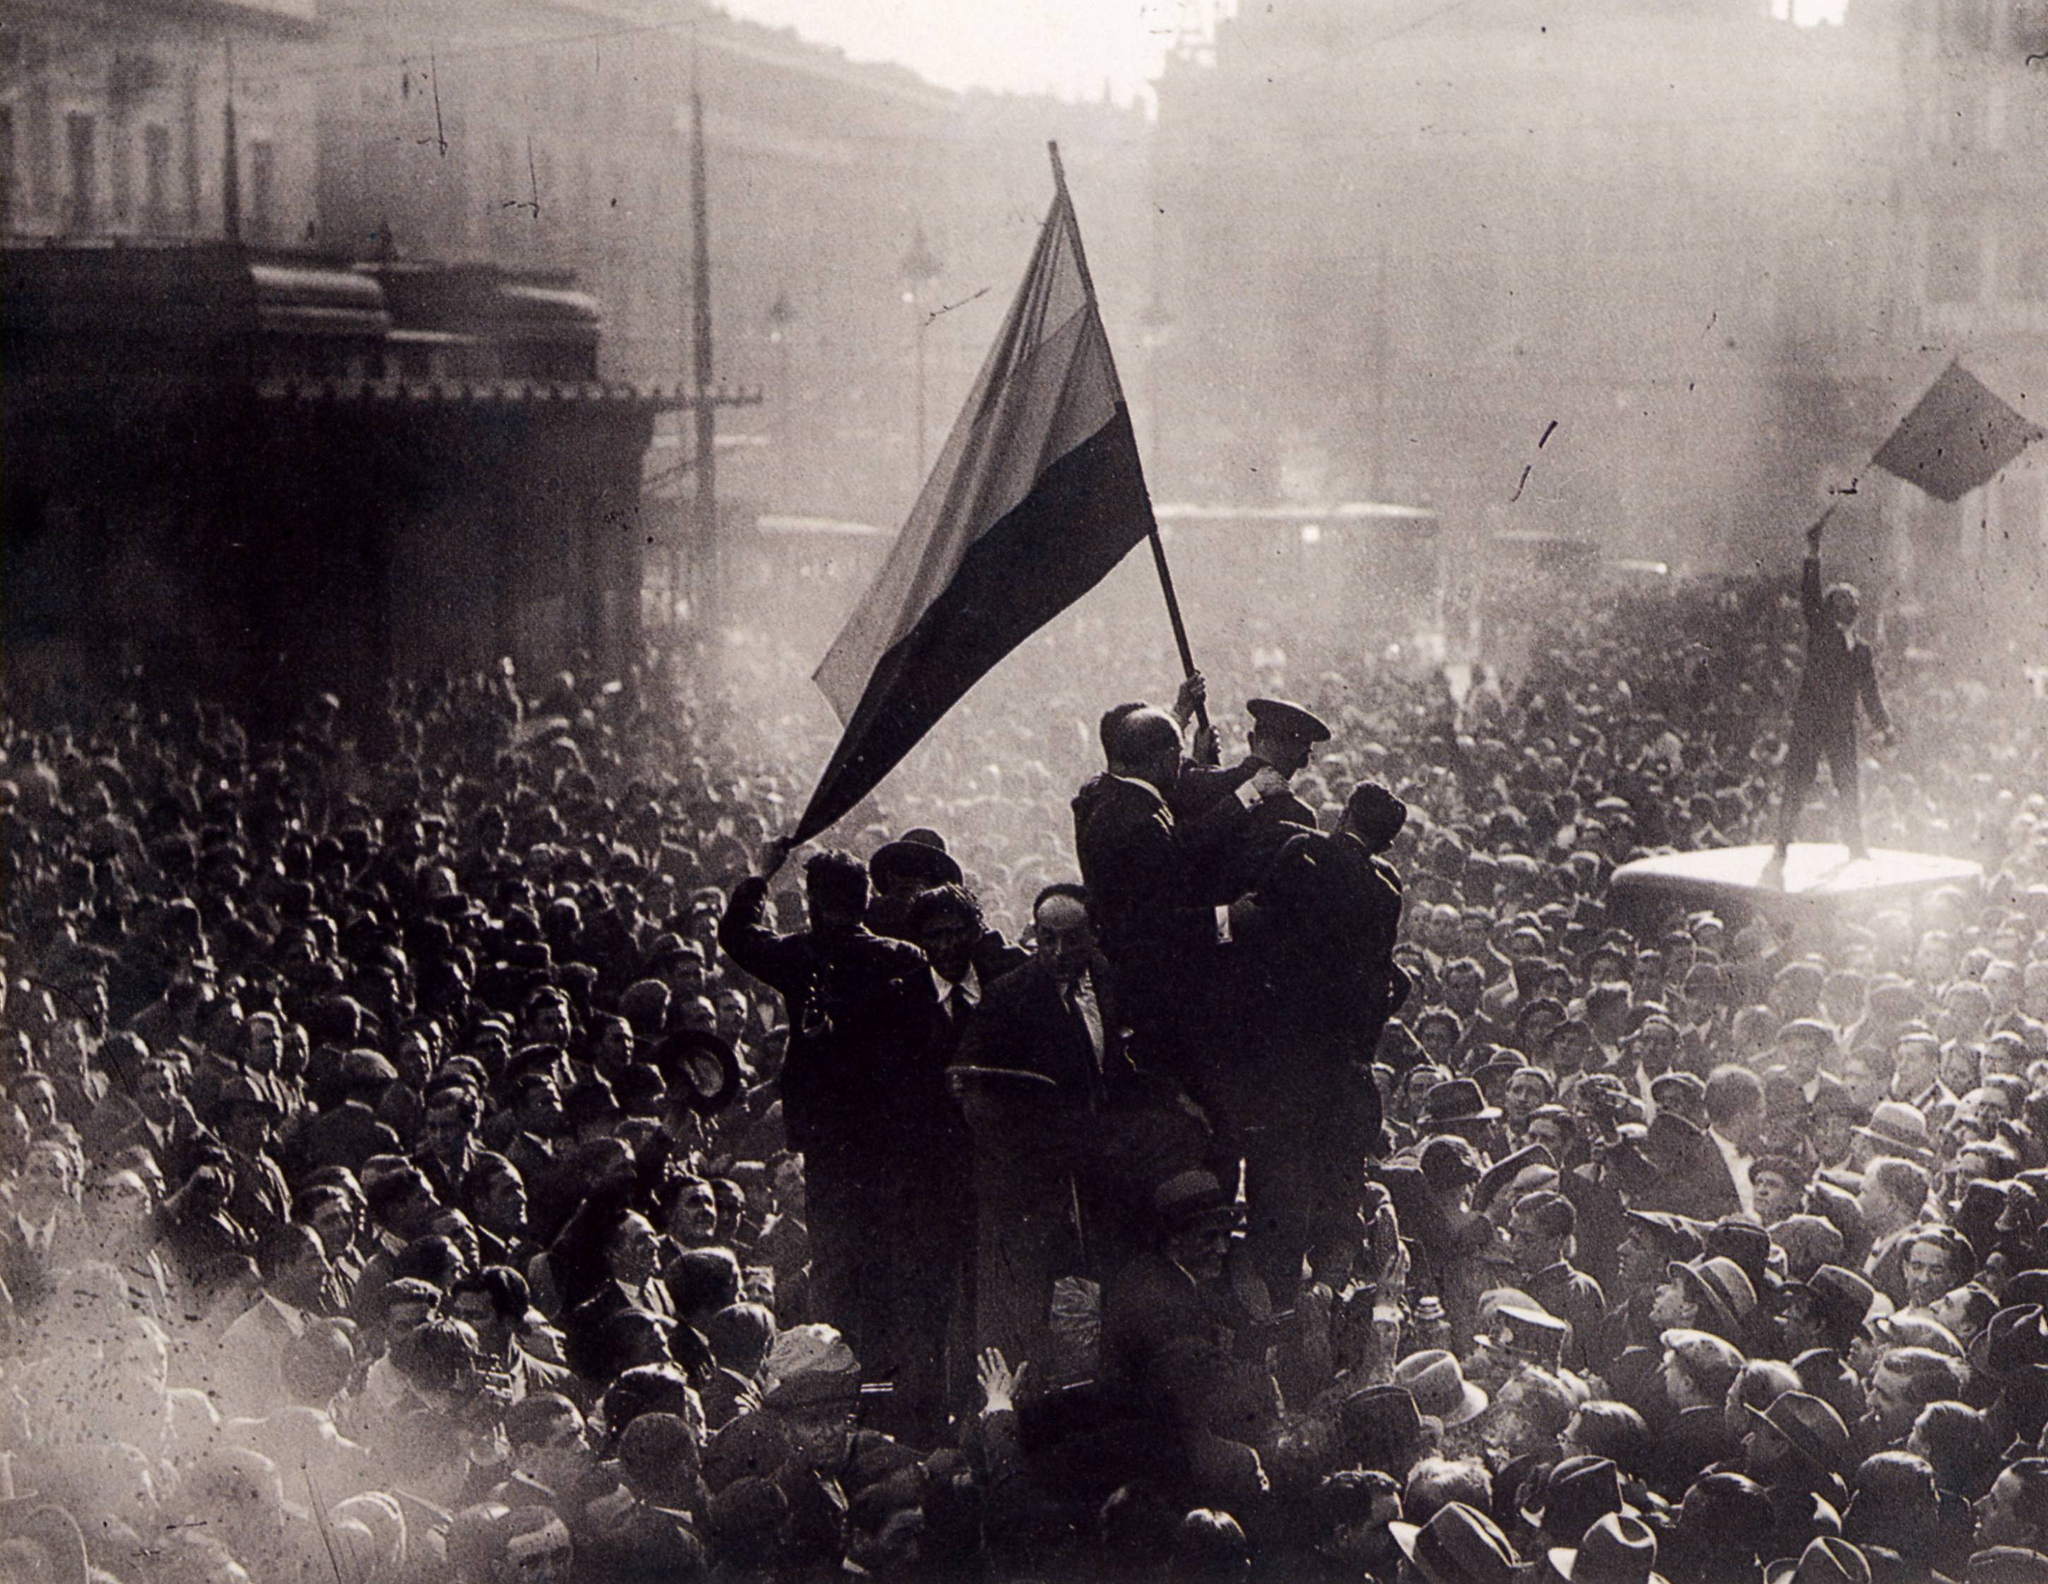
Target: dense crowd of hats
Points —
{"points": [[396, 1185]]}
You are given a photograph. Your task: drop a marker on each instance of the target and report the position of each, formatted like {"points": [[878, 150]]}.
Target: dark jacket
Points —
{"points": [[1025, 1024], [852, 999], [1229, 845], [1319, 941], [1154, 927], [1840, 670]]}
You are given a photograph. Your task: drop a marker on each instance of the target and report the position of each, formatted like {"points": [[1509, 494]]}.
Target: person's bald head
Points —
{"points": [[1146, 744]]}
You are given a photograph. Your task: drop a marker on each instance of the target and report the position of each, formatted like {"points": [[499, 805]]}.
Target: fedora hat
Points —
{"points": [[1899, 1129], [1719, 1287], [2013, 1342], [2007, 1565], [1826, 1560], [1436, 1381], [1572, 1496], [1809, 1426], [1617, 1549], [1459, 1545], [1455, 1100], [1843, 1299], [698, 1067], [1381, 1427], [1528, 1332]]}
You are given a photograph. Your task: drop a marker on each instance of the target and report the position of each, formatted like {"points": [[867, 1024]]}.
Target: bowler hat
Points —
{"points": [[1713, 1362], [1617, 1549], [913, 860], [1437, 1382], [1280, 716], [1809, 1242], [1746, 1243], [1459, 1545]]}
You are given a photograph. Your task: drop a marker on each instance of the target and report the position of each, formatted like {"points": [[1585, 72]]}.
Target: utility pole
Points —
{"points": [[704, 534], [230, 159]]}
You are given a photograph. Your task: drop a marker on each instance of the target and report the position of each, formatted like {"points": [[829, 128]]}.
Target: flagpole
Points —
{"points": [[1180, 631]]}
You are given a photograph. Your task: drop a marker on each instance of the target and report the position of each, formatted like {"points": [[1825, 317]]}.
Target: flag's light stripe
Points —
{"points": [[1048, 385]]}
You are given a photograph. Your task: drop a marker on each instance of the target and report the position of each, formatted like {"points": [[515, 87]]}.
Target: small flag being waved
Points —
{"points": [[1036, 496], [1956, 438]]}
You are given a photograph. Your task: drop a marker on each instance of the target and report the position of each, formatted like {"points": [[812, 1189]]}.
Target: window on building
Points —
{"points": [[81, 143], [156, 178], [190, 118], [6, 165], [121, 170], [2030, 27], [2023, 262], [1955, 259], [1969, 23], [262, 190], [42, 156]]}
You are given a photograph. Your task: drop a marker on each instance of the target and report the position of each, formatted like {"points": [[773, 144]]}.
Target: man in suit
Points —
{"points": [[1318, 938], [934, 1307], [1035, 1071], [1840, 672], [1155, 929], [857, 1005]]}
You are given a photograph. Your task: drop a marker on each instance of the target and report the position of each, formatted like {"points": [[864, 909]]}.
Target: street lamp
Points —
{"points": [[919, 269], [780, 317], [1155, 329]]}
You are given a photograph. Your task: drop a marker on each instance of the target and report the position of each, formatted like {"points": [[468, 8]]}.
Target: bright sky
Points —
{"points": [[1065, 47]]}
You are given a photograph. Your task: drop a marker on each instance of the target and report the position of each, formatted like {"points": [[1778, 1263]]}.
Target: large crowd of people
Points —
{"points": [[458, 1140]]}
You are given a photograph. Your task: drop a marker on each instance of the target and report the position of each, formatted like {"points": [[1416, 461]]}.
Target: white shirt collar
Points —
{"points": [[969, 986]]}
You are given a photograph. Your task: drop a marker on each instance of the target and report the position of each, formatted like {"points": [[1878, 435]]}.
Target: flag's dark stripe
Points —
{"points": [[1080, 518]]}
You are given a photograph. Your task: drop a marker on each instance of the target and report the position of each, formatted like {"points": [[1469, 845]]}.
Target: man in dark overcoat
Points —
{"points": [[1319, 942], [1840, 673], [856, 1006]]}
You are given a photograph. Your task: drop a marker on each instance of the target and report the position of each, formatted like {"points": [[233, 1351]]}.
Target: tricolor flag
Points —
{"points": [[1956, 438], [1037, 494]]}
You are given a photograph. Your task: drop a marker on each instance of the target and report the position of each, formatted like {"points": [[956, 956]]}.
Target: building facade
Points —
{"points": [[1655, 274], [113, 119]]}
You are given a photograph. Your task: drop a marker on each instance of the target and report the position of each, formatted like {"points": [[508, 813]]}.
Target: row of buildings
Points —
{"points": [[448, 370], [1652, 272]]}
